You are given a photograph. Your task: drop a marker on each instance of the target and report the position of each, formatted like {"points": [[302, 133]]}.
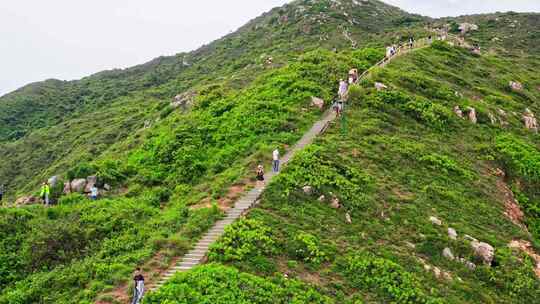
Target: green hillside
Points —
{"points": [[404, 158], [399, 157]]}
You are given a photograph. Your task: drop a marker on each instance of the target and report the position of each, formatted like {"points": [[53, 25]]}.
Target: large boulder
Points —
{"points": [[317, 103], [308, 190], [52, 181], [67, 188], [78, 185], [484, 251], [467, 27], [91, 181], [335, 203]]}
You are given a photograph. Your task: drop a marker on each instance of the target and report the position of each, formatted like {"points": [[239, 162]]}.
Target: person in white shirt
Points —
{"points": [[275, 160]]}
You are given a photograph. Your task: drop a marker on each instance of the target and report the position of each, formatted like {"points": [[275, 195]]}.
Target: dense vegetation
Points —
{"points": [[398, 157], [405, 156]]}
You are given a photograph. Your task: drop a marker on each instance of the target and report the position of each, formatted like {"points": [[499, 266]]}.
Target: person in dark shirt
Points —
{"points": [[138, 291]]}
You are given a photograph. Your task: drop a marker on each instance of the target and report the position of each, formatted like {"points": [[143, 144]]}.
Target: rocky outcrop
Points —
{"points": [[183, 100], [78, 185], [348, 218], [528, 249], [317, 103], [467, 27], [484, 251], [530, 120]]}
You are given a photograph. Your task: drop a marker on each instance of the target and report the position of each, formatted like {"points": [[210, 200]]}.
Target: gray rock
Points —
{"points": [[308, 190], [107, 187], [435, 221], [472, 115], [516, 85], [447, 253], [348, 218], [322, 198], [52, 181], [380, 86], [78, 185], [484, 251], [317, 103], [90, 182], [67, 188], [452, 233]]}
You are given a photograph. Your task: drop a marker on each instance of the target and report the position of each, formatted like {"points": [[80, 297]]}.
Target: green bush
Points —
{"points": [[390, 280], [243, 239], [82, 170], [71, 199], [519, 157], [307, 247], [434, 114], [220, 284]]}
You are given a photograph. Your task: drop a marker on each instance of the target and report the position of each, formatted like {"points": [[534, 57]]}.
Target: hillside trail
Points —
{"points": [[198, 254]]}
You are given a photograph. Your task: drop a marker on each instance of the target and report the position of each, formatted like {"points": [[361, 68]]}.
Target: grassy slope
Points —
{"points": [[399, 162]]}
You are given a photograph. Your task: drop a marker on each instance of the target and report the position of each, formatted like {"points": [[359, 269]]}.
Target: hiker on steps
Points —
{"points": [[94, 192], [342, 96], [45, 192], [275, 160], [260, 174], [138, 290], [411, 42]]}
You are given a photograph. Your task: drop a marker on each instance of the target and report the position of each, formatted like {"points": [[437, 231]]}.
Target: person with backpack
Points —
{"points": [[45, 192], [138, 290], [275, 160]]}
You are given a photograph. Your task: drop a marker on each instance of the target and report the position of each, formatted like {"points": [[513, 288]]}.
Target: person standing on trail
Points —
{"points": [[275, 160], [411, 42], [342, 96], [138, 290], [388, 52], [1, 192], [45, 192], [260, 174]]}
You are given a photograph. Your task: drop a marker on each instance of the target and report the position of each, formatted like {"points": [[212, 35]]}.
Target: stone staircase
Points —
{"points": [[197, 255]]}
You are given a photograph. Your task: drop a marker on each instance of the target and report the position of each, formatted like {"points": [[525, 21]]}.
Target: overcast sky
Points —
{"points": [[69, 39]]}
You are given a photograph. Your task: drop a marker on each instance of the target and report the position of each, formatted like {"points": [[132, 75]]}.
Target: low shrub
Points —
{"points": [[243, 239]]}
